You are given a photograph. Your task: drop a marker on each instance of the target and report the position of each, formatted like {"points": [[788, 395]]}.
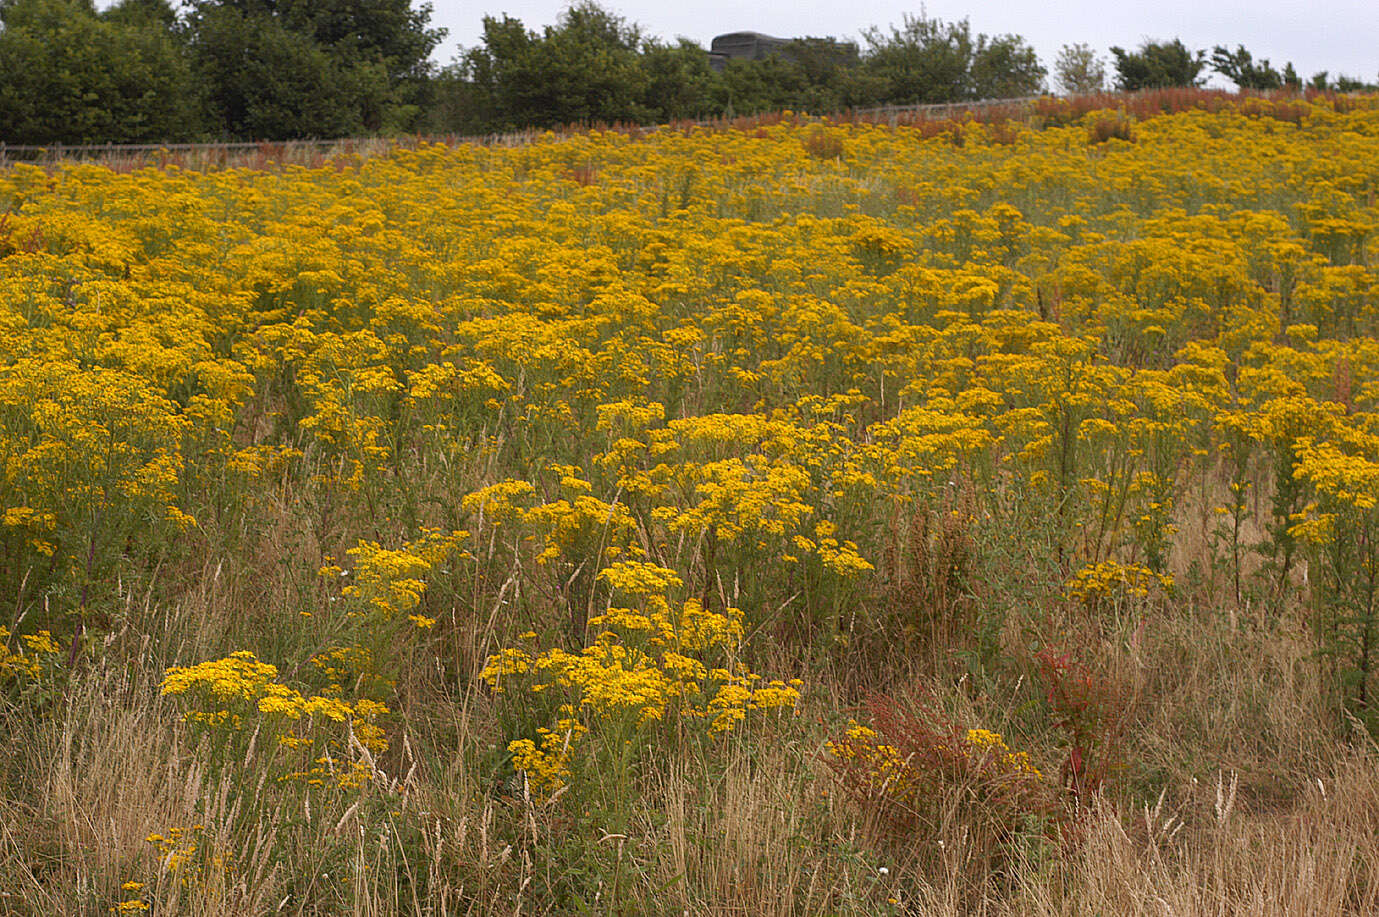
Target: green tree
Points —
{"points": [[925, 60], [457, 106], [1158, 65], [746, 87], [593, 66], [1240, 68], [279, 69], [262, 81], [585, 68], [1351, 84], [831, 75], [1322, 83], [817, 75], [929, 60], [1005, 67], [678, 80], [143, 13], [1079, 71], [68, 75]]}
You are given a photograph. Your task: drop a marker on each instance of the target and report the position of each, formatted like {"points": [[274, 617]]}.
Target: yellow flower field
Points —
{"points": [[697, 519]]}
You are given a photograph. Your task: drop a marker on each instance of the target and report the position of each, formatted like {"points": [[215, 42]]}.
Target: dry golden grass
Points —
{"points": [[1233, 795], [1257, 811]]}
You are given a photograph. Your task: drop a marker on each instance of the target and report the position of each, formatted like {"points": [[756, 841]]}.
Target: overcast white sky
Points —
{"points": [[1341, 36]]}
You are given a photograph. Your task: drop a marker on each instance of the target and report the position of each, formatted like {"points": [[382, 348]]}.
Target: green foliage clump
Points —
{"points": [[1158, 65], [300, 69], [70, 75], [1240, 68]]}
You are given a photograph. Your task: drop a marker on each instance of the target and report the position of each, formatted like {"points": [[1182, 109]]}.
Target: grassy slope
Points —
{"points": [[1234, 780]]}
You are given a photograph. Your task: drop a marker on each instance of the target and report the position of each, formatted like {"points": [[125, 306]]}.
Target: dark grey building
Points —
{"points": [[743, 46]]}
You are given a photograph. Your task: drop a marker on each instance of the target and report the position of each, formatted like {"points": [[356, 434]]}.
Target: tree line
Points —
{"points": [[146, 71], [143, 71]]}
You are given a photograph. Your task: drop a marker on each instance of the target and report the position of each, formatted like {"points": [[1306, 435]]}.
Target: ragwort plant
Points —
{"points": [[855, 402]]}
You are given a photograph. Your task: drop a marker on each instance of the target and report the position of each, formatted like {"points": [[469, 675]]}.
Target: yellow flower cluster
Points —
{"points": [[983, 743], [130, 905], [1111, 579], [351, 665], [28, 662], [184, 853], [240, 693], [547, 765], [177, 847], [644, 664], [1345, 473], [389, 583], [563, 526], [240, 681], [980, 760], [640, 579]]}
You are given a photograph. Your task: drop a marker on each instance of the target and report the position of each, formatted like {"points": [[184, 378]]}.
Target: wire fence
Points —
{"points": [[944, 109], [296, 151], [227, 154], [315, 153]]}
